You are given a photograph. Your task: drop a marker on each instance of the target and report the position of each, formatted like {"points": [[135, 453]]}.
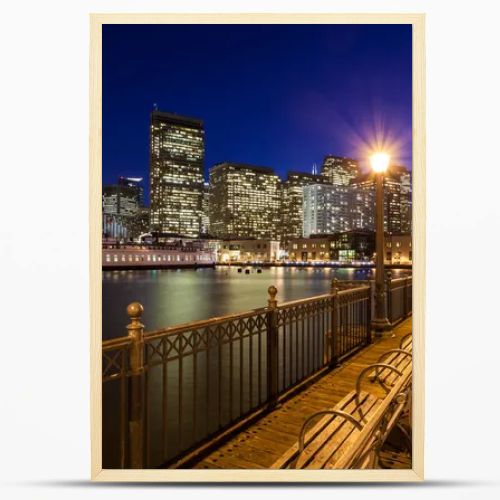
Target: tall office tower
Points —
{"points": [[363, 203], [244, 201], [205, 204], [292, 200], [176, 173], [404, 176], [137, 184], [327, 209], [339, 170]]}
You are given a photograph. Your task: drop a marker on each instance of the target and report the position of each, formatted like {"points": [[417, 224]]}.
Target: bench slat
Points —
{"points": [[348, 443], [404, 366], [407, 342], [336, 422], [290, 455], [398, 360], [366, 435], [322, 452]]}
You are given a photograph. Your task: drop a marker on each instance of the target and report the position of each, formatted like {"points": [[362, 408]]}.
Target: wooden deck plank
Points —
{"points": [[263, 442]]}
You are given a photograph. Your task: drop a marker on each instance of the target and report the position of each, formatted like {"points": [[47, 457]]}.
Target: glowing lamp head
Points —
{"points": [[380, 162]]}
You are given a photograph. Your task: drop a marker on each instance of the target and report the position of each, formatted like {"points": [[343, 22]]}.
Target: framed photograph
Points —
{"points": [[257, 247]]}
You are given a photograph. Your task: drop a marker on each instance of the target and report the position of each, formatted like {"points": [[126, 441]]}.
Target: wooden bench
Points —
{"points": [[398, 358], [351, 434]]}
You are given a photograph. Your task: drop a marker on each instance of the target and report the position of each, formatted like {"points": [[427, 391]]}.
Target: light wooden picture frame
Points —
{"points": [[419, 252]]}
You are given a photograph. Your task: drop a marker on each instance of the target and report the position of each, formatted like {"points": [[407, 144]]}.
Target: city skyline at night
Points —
{"points": [[284, 96]]}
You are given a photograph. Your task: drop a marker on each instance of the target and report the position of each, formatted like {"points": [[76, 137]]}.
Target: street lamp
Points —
{"points": [[380, 162]]}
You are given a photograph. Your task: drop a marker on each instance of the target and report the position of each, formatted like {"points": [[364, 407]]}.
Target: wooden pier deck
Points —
{"points": [[263, 442]]}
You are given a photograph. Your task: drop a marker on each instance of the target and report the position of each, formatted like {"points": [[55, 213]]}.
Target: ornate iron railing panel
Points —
{"points": [[115, 371], [201, 379], [399, 299], [303, 332], [352, 324]]}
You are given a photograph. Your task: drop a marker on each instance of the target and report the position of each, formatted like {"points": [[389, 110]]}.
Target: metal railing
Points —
{"points": [[398, 295], [399, 298], [167, 391]]}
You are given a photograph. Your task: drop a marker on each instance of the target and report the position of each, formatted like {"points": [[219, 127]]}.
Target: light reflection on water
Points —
{"points": [[170, 297]]}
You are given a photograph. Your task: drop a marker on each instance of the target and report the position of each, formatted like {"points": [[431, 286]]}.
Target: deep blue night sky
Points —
{"points": [[282, 96]]}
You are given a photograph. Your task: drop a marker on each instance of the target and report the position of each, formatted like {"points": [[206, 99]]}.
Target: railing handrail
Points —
{"points": [[116, 343], [297, 302], [397, 281], [353, 290]]}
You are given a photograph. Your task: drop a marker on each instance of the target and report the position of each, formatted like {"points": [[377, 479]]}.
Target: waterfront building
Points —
{"points": [[177, 149], [355, 245], [142, 256], [252, 250], [343, 247], [363, 203], [398, 249], [244, 201], [326, 209], [339, 170], [292, 201], [314, 249]]}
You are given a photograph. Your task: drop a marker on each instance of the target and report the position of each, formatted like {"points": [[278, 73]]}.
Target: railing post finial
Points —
{"points": [[271, 301], [335, 286], [135, 311]]}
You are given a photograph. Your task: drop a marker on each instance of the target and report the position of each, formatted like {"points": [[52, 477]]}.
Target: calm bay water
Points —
{"points": [[170, 297]]}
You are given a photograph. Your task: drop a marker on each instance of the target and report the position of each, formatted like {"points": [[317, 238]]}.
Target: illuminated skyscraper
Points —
{"points": [[327, 209], [404, 176], [363, 203], [176, 173], [244, 201], [292, 200], [339, 170]]}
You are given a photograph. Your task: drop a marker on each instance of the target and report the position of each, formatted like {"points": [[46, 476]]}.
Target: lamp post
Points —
{"points": [[380, 162]]}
